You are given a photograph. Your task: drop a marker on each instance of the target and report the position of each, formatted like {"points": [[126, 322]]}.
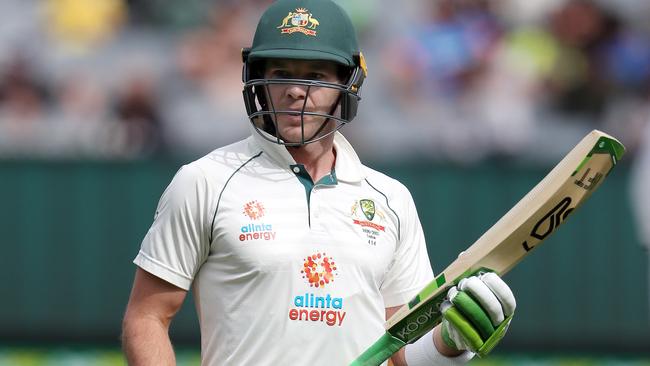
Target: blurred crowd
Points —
{"points": [[449, 80]]}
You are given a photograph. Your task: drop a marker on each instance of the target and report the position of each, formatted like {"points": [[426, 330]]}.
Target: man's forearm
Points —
{"points": [[146, 343]]}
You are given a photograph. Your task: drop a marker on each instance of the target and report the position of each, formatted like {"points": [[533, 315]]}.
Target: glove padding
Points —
{"points": [[477, 313]]}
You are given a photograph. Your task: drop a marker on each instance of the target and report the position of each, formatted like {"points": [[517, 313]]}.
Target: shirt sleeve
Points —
{"points": [[411, 268], [177, 243]]}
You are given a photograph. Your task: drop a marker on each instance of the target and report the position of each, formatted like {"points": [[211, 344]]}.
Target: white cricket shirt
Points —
{"points": [[284, 271]]}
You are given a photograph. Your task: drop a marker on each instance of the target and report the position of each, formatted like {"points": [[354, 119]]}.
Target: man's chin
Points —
{"points": [[293, 132], [294, 138]]}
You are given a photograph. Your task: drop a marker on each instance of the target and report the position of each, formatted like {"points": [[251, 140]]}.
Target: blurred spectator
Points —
{"points": [[23, 101], [444, 52], [78, 127], [137, 112], [83, 23], [437, 74], [626, 61], [578, 84], [21, 94], [203, 110], [453, 80], [601, 72]]}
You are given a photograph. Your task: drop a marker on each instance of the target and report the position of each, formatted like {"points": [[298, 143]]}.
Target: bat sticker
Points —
{"points": [[555, 217]]}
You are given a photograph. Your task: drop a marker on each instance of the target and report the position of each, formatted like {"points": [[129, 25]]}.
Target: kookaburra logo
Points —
{"points": [[414, 324], [547, 224]]}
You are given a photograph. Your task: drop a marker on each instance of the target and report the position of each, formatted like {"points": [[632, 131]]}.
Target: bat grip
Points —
{"points": [[380, 351]]}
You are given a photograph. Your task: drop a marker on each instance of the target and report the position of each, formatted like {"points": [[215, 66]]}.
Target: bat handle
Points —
{"points": [[380, 351]]}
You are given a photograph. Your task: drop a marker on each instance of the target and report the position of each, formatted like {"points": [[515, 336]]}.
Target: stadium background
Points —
{"points": [[468, 102]]}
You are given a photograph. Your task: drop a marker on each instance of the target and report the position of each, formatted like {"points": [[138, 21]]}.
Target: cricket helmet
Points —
{"points": [[317, 30]]}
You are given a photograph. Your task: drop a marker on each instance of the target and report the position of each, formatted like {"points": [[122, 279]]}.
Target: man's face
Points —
{"points": [[291, 97]]}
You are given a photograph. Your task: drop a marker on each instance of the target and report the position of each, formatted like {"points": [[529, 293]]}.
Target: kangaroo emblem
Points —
{"points": [[285, 21]]}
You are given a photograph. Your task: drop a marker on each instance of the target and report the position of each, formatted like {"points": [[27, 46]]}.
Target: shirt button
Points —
{"points": [[296, 169]]}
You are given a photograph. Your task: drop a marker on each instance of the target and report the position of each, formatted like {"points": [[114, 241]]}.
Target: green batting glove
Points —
{"points": [[477, 313]]}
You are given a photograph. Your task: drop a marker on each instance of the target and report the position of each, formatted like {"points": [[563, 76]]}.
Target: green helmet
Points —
{"points": [[318, 30]]}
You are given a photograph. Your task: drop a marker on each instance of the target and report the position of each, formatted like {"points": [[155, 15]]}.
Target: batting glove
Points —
{"points": [[477, 313]]}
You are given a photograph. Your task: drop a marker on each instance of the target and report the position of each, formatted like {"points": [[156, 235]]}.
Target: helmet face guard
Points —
{"points": [[263, 114]]}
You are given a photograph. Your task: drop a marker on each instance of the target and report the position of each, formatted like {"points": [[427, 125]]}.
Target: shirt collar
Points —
{"points": [[348, 166]]}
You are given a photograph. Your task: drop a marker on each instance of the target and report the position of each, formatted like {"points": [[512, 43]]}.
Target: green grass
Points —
{"points": [[561, 360], [64, 356], [71, 356]]}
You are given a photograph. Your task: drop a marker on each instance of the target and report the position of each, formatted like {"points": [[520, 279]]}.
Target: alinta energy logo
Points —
{"points": [[256, 231], [319, 270]]}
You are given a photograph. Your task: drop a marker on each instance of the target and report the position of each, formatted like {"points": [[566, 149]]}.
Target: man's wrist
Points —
{"points": [[442, 346], [428, 351]]}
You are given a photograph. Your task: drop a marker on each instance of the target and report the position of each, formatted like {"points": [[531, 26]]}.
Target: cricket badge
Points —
{"points": [[365, 214], [368, 208], [301, 21]]}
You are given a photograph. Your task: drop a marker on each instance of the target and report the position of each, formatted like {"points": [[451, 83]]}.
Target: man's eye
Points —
{"points": [[316, 76], [280, 74]]}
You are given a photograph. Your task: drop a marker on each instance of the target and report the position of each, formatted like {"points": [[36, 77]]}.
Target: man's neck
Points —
{"points": [[317, 157]]}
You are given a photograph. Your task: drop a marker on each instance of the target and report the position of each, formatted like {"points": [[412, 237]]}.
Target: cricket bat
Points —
{"points": [[536, 216]]}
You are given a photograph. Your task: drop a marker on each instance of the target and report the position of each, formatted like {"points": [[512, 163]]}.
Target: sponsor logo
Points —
{"points": [[547, 224], [324, 309], [589, 182], [254, 210], [256, 231], [319, 271], [414, 324], [301, 21], [365, 214]]}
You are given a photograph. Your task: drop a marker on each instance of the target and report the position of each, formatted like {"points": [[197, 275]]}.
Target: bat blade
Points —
{"points": [[522, 229]]}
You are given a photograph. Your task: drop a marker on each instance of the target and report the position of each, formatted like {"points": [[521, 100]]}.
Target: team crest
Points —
{"points": [[368, 208], [299, 21], [364, 213]]}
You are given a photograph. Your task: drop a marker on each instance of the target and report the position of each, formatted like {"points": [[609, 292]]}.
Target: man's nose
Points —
{"points": [[297, 91]]}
